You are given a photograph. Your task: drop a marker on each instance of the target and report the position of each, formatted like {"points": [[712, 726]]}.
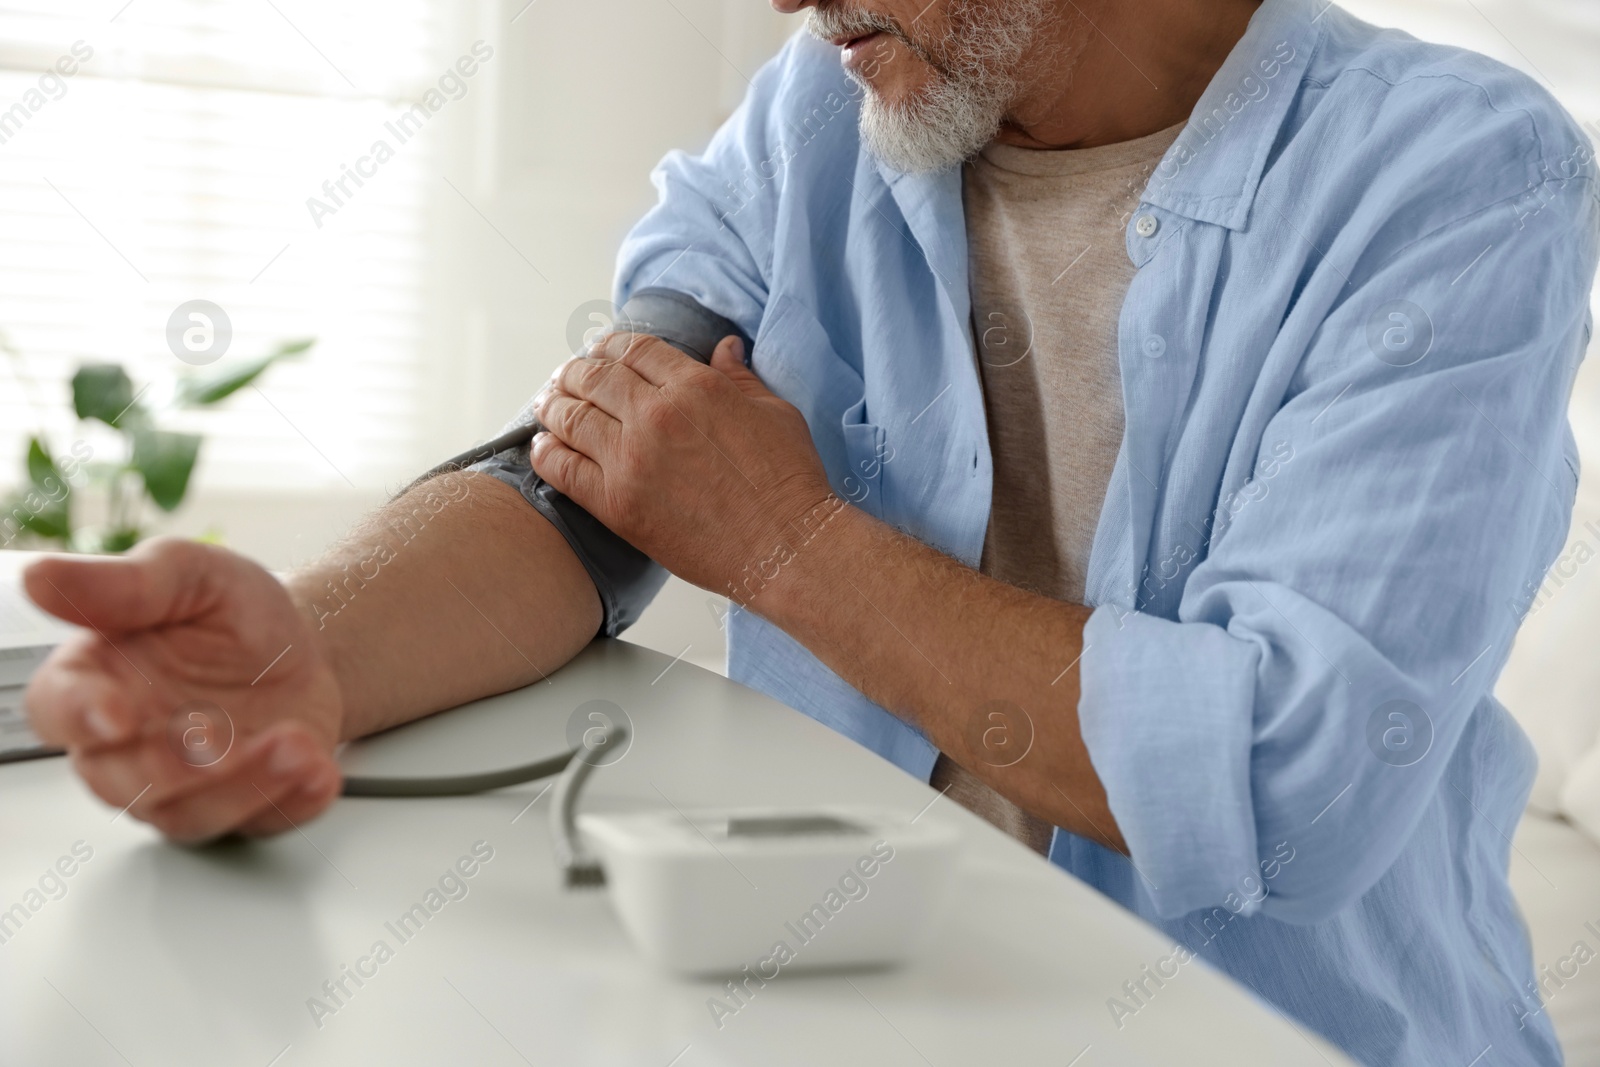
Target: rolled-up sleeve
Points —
{"points": [[710, 235], [1376, 573]]}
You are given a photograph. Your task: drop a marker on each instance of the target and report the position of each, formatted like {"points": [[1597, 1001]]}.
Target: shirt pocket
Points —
{"points": [[796, 360]]}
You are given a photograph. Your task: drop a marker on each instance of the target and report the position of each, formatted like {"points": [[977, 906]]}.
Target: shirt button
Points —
{"points": [[1155, 346], [1146, 225]]}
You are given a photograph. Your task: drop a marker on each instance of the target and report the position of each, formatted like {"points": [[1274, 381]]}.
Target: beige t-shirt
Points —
{"points": [[1049, 273]]}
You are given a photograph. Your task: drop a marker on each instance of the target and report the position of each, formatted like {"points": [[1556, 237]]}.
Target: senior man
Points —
{"points": [[1154, 422]]}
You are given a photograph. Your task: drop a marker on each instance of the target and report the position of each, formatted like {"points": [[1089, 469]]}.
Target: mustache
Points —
{"points": [[834, 23]]}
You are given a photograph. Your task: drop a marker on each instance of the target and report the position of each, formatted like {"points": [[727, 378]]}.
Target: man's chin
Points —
{"points": [[923, 135]]}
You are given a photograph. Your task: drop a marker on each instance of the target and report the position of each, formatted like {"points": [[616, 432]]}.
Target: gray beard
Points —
{"points": [[974, 86], [940, 129]]}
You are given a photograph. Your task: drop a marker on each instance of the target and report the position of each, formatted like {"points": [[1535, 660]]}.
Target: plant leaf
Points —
{"points": [[205, 389], [119, 541], [102, 391], [42, 470], [44, 518], [50, 523], [45, 510], [165, 460]]}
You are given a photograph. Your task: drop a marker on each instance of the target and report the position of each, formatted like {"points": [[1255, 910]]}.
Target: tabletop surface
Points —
{"points": [[153, 954]]}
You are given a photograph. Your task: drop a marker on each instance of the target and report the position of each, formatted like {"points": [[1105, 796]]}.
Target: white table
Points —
{"points": [[157, 955]]}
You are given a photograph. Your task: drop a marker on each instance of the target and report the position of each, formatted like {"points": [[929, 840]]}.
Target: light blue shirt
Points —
{"points": [[1361, 296]]}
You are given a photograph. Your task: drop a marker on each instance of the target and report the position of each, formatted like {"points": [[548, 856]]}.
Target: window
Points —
{"points": [[176, 163]]}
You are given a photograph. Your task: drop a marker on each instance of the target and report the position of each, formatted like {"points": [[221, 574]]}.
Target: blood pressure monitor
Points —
{"points": [[758, 891]]}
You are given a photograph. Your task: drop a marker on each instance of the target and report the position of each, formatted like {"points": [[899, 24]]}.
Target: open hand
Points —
{"points": [[195, 697]]}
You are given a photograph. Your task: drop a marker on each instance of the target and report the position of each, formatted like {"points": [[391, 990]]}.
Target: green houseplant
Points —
{"points": [[155, 464]]}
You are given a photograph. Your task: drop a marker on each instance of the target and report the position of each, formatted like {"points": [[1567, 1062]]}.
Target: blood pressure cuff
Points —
{"points": [[626, 579]]}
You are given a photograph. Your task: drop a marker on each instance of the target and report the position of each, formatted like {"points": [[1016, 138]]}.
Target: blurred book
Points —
{"points": [[26, 637]]}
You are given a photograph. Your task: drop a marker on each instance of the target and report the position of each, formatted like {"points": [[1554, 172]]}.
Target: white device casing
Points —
{"points": [[700, 902]]}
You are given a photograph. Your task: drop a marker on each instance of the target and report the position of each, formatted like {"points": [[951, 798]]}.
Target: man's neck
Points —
{"points": [[1119, 70]]}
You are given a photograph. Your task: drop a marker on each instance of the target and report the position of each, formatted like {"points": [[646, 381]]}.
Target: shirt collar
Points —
{"points": [[1211, 172], [930, 203]]}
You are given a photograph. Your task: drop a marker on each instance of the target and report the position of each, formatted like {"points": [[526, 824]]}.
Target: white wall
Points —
{"points": [[581, 101]]}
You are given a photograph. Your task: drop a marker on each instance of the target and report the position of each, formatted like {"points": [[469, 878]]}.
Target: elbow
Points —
{"points": [[1316, 893]]}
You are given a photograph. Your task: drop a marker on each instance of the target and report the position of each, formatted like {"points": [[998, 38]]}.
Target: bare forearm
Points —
{"points": [[455, 591], [987, 670]]}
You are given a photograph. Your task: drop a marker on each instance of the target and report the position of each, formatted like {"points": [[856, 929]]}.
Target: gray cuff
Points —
{"points": [[679, 320], [626, 579]]}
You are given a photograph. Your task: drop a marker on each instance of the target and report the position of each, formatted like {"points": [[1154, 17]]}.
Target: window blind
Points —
{"points": [[176, 164]]}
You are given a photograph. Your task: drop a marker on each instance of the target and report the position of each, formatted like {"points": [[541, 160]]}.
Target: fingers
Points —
{"points": [[159, 582], [579, 423], [270, 794], [295, 807], [729, 359], [570, 471], [280, 775], [612, 386], [729, 348], [649, 357], [83, 696]]}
